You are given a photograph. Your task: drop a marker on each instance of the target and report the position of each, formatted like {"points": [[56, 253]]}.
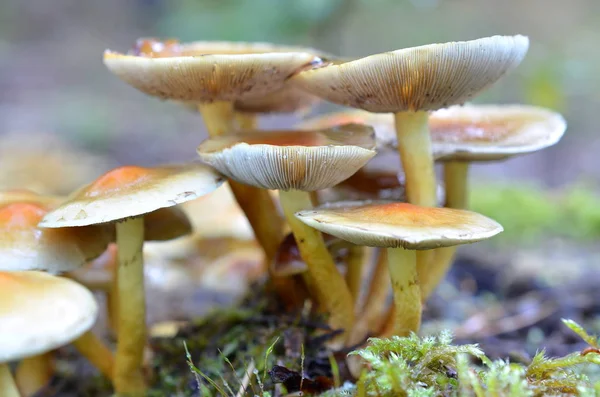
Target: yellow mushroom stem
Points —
{"points": [[8, 387], [355, 264], [112, 303], [456, 183], [375, 310], [246, 121], [128, 376], [34, 373], [402, 265], [331, 289], [96, 352], [414, 147], [218, 117]]}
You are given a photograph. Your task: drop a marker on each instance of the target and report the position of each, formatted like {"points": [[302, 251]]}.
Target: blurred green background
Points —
{"points": [[52, 79]]}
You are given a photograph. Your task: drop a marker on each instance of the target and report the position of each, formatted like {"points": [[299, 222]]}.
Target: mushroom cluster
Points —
{"points": [[334, 229]]}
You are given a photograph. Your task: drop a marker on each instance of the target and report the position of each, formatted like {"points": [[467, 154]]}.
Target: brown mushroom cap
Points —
{"points": [[166, 224], [40, 312], [25, 246], [493, 132], [286, 160], [391, 224], [131, 191], [209, 71], [428, 77]]}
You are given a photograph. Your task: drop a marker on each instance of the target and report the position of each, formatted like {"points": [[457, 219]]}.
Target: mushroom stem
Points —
{"points": [[375, 311], [402, 265], [7, 383], [96, 352], [414, 147], [218, 117], [246, 121], [112, 303], [128, 378], [456, 184], [332, 291], [34, 373], [357, 256]]}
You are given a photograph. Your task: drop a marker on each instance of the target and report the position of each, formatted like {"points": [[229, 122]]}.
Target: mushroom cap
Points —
{"points": [[166, 224], [209, 71], [285, 160], [493, 132], [382, 123], [25, 246], [428, 77], [40, 312], [288, 99], [392, 224], [131, 191]]}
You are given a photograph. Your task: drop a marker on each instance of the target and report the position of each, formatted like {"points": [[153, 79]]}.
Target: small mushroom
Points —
{"points": [[124, 196], [401, 228], [39, 313], [295, 163]]}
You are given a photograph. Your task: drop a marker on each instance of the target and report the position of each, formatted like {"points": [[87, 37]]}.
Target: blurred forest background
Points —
{"points": [[52, 80]]}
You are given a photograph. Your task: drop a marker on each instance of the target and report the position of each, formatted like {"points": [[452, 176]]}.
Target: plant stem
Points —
{"points": [[456, 183], [7, 383], [374, 312], [407, 292], [332, 292], [96, 352], [128, 377], [246, 121], [218, 118], [414, 147], [34, 373]]}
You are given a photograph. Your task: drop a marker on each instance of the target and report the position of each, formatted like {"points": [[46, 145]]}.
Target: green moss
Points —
{"points": [[528, 213]]}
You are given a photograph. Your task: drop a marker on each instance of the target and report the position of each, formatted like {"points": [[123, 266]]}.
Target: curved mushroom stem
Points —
{"points": [[128, 377], [34, 373], [246, 121], [96, 352], [355, 263], [8, 386], [456, 183], [402, 264], [375, 310], [218, 117], [414, 146], [332, 291]]}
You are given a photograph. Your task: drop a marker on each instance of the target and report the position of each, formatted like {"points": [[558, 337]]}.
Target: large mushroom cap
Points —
{"points": [[207, 72], [25, 246], [285, 160], [482, 133], [428, 77], [131, 191], [40, 312], [391, 224]]}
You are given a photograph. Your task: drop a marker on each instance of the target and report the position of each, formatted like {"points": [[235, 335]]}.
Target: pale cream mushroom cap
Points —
{"points": [[286, 160], [40, 312], [493, 132], [210, 71], [132, 191], [428, 77], [392, 224], [25, 246]]}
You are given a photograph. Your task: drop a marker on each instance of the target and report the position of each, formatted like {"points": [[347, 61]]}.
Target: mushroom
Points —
{"points": [[409, 83], [483, 133], [295, 163], [401, 228], [124, 196], [217, 75], [39, 313]]}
